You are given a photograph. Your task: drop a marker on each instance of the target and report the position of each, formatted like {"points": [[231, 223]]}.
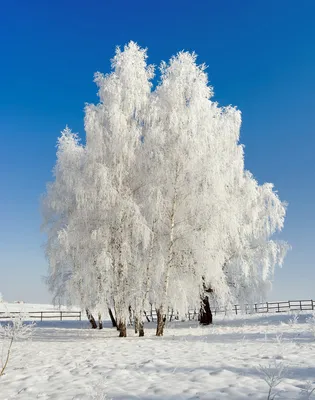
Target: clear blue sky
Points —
{"points": [[261, 57]]}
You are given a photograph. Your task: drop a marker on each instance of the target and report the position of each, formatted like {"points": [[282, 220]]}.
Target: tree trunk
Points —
{"points": [[136, 324], [130, 315], [148, 282], [91, 318], [122, 328], [112, 318], [205, 312], [160, 322], [100, 322], [117, 319], [161, 318], [140, 322], [141, 329]]}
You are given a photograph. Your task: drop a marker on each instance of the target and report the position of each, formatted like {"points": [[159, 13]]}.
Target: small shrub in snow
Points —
{"points": [[14, 330], [280, 346], [99, 395], [96, 392], [294, 319], [308, 392], [273, 374]]}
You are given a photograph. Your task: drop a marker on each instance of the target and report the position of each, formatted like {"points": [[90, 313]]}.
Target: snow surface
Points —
{"points": [[67, 360]]}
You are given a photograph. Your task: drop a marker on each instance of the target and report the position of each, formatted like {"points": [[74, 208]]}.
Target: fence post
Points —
{"points": [[267, 306], [312, 304], [255, 307], [300, 305], [235, 309], [60, 315], [278, 307], [79, 315], [41, 315]]}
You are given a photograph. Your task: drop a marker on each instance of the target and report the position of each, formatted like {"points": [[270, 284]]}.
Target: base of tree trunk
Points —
{"points": [[131, 320], [100, 322], [205, 312], [136, 325], [160, 322], [122, 329], [91, 319], [141, 329], [112, 318]]}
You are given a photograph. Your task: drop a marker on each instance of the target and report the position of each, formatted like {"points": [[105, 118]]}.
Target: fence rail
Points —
{"points": [[257, 308], [41, 315], [261, 308]]}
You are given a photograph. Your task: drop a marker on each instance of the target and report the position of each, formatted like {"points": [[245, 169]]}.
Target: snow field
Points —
{"points": [[69, 361]]}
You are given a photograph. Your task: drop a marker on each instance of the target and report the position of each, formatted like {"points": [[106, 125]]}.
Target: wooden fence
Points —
{"points": [[42, 315], [260, 308], [257, 308]]}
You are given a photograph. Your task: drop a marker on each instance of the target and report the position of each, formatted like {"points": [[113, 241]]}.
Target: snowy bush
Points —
{"points": [[273, 374], [308, 392], [14, 330], [294, 319], [100, 395], [95, 393]]}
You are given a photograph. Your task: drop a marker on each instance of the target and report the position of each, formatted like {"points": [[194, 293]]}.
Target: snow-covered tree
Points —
{"points": [[100, 233], [174, 147], [157, 206], [252, 254], [59, 209], [114, 130]]}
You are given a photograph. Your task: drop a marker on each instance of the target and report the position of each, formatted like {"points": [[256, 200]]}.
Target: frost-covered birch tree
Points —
{"points": [[249, 215], [114, 131], [59, 208], [102, 234], [173, 178]]}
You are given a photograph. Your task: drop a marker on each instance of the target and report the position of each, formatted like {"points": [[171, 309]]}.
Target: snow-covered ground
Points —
{"points": [[67, 360]]}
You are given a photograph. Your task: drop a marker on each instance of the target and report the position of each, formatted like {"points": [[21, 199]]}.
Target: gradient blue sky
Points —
{"points": [[261, 58]]}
